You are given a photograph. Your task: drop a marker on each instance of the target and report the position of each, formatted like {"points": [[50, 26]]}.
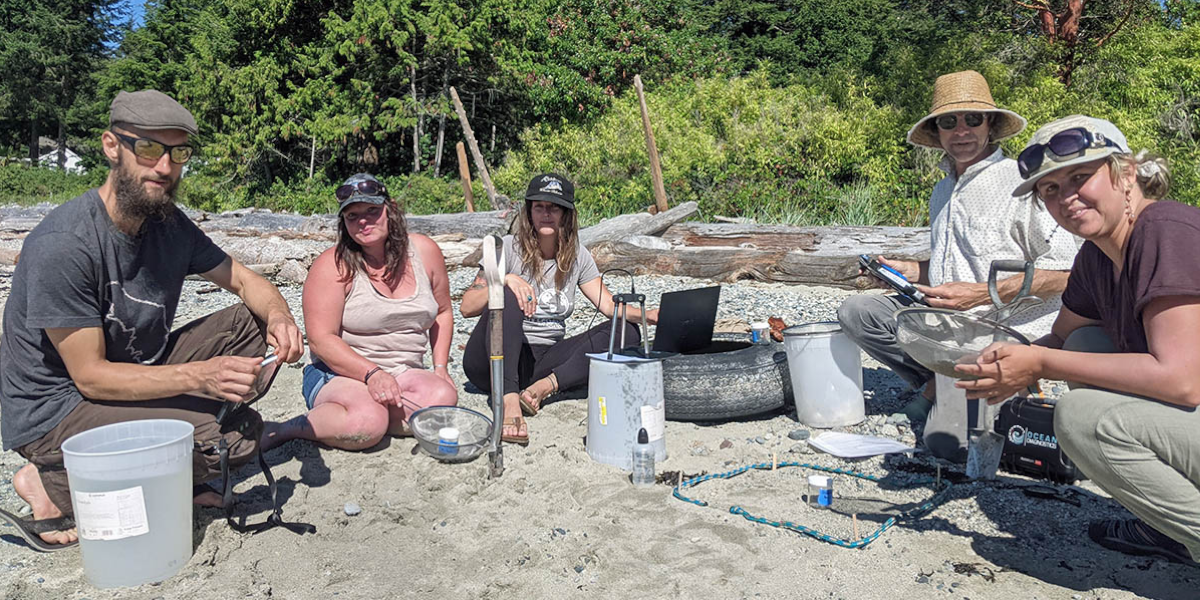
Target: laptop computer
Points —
{"points": [[686, 319]]}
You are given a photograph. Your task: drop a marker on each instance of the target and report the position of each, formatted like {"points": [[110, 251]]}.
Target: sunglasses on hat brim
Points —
{"points": [[1064, 144], [950, 121], [153, 150], [366, 188]]}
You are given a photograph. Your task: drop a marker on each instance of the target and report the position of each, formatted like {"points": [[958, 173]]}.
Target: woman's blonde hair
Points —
{"points": [[1153, 173], [525, 241]]}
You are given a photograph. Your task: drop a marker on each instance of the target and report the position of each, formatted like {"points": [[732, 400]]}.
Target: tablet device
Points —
{"points": [[892, 277]]}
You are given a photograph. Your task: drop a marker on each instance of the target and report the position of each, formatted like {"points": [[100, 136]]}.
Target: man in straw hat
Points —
{"points": [[87, 337], [973, 221]]}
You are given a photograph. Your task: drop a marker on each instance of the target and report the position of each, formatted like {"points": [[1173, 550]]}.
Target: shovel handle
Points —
{"points": [[493, 270], [1009, 266]]}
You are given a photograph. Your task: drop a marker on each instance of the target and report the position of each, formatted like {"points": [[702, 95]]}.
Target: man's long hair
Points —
{"points": [[348, 255], [525, 241]]}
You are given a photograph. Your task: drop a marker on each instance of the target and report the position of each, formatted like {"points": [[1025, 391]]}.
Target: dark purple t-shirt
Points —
{"points": [[1160, 261]]}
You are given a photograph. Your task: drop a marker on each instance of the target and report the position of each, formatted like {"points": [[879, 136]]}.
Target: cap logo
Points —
{"points": [[552, 186]]}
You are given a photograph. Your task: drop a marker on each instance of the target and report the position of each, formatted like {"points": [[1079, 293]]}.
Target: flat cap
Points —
{"points": [[151, 110]]}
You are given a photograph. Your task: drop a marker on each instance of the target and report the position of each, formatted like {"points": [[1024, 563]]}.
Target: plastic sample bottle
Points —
{"points": [[643, 460], [820, 491], [448, 440]]}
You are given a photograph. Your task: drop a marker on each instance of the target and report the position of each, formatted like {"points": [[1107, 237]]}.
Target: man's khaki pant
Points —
{"points": [[1143, 452], [232, 331]]}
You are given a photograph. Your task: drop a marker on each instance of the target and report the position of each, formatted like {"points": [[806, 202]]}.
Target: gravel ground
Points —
{"points": [[987, 540]]}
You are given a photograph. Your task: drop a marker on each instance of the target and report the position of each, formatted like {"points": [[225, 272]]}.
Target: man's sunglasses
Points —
{"points": [[366, 188], [1064, 144], [152, 150], [948, 122]]}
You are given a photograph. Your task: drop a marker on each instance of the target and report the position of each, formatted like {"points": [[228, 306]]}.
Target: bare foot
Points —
{"points": [[209, 499], [28, 485]]}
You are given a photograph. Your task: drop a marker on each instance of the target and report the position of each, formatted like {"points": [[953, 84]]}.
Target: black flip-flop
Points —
{"points": [[30, 528]]}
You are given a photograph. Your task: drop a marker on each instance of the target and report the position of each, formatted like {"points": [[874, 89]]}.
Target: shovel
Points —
{"points": [[984, 446], [493, 273]]}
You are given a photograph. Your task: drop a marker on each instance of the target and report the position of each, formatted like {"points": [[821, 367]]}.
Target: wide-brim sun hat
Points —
{"points": [[965, 91], [359, 196], [551, 187], [1102, 131]]}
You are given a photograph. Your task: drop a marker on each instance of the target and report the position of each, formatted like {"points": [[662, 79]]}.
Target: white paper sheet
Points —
{"points": [[852, 445]]}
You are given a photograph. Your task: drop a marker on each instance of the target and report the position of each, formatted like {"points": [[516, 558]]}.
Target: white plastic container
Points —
{"points": [[826, 371], [131, 488], [624, 395]]}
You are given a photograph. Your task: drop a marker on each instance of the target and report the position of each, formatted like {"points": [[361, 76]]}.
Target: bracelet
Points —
{"points": [[371, 372], [437, 365]]}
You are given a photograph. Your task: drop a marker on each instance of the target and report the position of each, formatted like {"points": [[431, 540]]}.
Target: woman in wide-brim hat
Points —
{"points": [[965, 91]]}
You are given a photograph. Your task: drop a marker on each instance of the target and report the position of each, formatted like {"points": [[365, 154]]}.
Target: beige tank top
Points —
{"points": [[390, 332]]}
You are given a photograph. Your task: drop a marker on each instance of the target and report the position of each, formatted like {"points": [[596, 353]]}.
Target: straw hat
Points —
{"points": [[964, 91]]}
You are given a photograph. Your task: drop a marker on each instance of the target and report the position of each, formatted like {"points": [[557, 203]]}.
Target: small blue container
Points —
{"points": [[448, 441]]}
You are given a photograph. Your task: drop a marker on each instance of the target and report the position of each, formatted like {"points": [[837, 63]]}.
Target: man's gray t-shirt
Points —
{"points": [[78, 270], [548, 325]]}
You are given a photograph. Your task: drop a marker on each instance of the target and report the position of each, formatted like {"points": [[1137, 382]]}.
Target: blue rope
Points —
{"points": [[929, 505]]}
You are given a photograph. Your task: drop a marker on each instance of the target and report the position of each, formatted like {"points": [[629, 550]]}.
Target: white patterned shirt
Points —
{"points": [[974, 219]]}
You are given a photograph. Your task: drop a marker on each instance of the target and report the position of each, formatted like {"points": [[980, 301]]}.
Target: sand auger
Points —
{"points": [[493, 272]]}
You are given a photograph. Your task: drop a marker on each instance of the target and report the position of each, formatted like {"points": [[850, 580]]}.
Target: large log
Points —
{"points": [[623, 226], [772, 253]]}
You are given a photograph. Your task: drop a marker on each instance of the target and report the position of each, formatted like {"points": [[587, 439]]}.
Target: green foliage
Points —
{"points": [[25, 185], [737, 146]]}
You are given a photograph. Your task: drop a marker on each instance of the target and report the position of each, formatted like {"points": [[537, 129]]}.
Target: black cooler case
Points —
{"points": [[1030, 446]]}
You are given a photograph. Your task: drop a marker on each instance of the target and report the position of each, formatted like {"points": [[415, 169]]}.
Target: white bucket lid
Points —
{"points": [[448, 434], [818, 328], [820, 480]]}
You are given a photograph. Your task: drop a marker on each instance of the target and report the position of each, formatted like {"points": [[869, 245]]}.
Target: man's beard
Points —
{"points": [[133, 200]]}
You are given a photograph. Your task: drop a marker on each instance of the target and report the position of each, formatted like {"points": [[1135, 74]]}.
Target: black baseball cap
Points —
{"points": [[551, 187]]}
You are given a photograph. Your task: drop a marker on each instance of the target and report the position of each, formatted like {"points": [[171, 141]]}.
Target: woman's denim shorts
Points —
{"points": [[316, 376]]}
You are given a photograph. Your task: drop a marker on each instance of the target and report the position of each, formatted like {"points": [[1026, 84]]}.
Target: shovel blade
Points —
{"points": [[984, 449]]}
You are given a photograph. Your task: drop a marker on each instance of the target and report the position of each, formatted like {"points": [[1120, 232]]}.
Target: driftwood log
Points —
{"points": [[772, 253]]}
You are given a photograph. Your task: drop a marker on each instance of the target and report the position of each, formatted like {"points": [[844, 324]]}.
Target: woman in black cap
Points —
{"points": [[536, 307], [374, 304]]}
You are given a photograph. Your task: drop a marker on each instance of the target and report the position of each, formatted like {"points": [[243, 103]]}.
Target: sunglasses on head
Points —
{"points": [[152, 150], [948, 122], [369, 187], [1063, 144]]}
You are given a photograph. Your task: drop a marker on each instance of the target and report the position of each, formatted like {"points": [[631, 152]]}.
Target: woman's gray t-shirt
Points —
{"points": [[548, 325]]}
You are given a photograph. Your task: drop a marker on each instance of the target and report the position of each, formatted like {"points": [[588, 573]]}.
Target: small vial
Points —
{"points": [[820, 491], [760, 332], [448, 440], [643, 460]]}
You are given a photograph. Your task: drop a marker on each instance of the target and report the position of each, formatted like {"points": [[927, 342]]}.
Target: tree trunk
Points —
{"points": [[417, 125], [62, 145], [33, 142], [437, 159], [464, 176]]}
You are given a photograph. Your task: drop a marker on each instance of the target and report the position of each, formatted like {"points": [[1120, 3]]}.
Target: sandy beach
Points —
{"points": [[559, 525]]}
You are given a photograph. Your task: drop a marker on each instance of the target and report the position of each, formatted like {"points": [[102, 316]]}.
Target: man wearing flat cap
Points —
{"points": [[974, 220], [87, 337]]}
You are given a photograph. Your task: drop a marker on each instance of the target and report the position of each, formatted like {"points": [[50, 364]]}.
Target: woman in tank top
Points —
{"points": [[545, 263], [373, 304], [1127, 337]]}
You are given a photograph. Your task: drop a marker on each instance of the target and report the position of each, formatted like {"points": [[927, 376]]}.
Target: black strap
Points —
{"points": [[275, 519]]}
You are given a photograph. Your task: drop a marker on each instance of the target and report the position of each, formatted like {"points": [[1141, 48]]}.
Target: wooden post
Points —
{"points": [[464, 175], [480, 165], [660, 192]]}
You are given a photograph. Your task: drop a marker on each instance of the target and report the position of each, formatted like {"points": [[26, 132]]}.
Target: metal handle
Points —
{"points": [[493, 272], [1010, 266]]}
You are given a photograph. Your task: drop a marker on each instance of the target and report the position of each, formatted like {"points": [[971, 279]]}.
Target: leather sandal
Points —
{"points": [[532, 404], [515, 423]]}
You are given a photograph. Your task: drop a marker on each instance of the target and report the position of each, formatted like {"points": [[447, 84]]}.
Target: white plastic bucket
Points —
{"points": [[131, 488], [624, 396], [826, 372]]}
